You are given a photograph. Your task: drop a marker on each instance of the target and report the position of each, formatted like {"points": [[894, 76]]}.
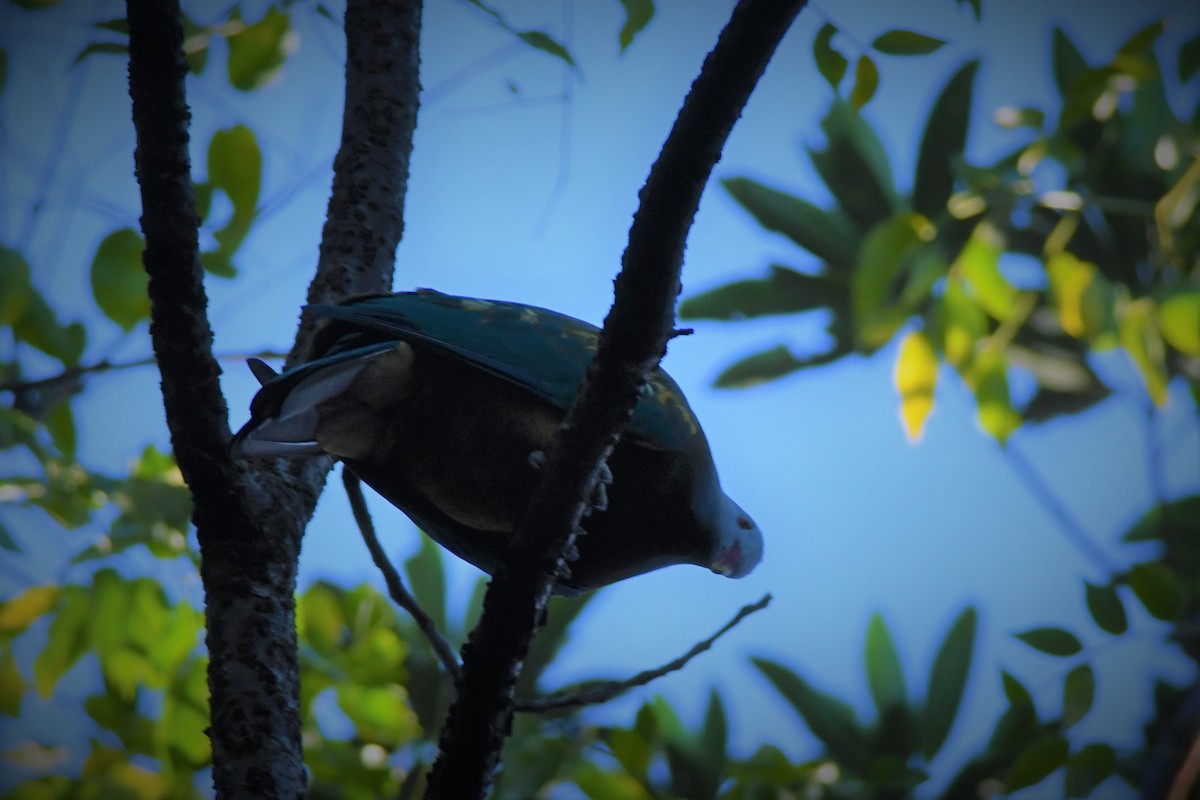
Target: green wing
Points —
{"points": [[540, 350]]}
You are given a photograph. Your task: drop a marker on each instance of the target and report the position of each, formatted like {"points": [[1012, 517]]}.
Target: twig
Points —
{"points": [[72, 373], [1071, 527], [610, 689], [400, 595], [1185, 779]]}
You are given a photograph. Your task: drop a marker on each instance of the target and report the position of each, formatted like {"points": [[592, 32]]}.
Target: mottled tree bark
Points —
{"points": [[632, 342], [250, 521]]}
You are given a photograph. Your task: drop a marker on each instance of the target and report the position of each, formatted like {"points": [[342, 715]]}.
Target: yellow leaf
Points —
{"points": [[1083, 296], [1141, 339], [1179, 321], [989, 380], [916, 378], [17, 613]]}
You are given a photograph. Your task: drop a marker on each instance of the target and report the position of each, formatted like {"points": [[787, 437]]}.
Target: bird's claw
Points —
{"points": [[537, 459], [600, 493]]}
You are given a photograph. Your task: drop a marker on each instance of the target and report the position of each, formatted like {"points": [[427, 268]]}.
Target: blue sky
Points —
{"points": [[526, 197]]}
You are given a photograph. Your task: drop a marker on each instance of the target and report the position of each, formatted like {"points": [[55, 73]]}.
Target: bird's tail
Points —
{"points": [[284, 415]]}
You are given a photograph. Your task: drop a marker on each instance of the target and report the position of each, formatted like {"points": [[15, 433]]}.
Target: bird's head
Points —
{"points": [[739, 545]]}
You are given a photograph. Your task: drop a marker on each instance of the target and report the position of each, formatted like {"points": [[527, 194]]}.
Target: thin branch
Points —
{"points": [[445, 652], [72, 374], [1071, 527], [1185, 779], [631, 343], [400, 595], [610, 689]]}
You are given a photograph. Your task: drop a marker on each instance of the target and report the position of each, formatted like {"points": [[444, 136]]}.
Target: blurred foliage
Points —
{"points": [[1103, 199]]}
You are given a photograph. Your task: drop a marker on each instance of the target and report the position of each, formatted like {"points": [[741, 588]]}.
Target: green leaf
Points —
{"points": [[39, 328], [1037, 762], [1088, 768], [118, 279], [943, 142], [784, 291], [116, 25], [597, 784], [961, 322], [906, 43], [101, 48], [1159, 588], [855, 167], [887, 250], [1052, 641], [427, 575], [979, 265], [884, 674], [3, 70], [631, 750], [1079, 691], [67, 640], [947, 680], [20, 612], [1015, 691], [830, 63], [866, 81], [540, 40], [826, 234], [1189, 59], [257, 51], [1104, 604], [380, 714], [715, 733], [60, 423], [638, 14], [1179, 321], [829, 719], [16, 286], [976, 8], [235, 167], [7, 542], [1069, 64], [1019, 724], [12, 685], [1163, 522], [767, 365], [1141, 339], [320, 618]]}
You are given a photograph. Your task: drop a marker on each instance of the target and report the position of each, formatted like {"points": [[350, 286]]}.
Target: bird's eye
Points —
{"points": [[744, 523]]}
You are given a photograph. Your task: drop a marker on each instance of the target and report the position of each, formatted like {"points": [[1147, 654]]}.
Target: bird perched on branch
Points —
{"points": [[443, 405]]}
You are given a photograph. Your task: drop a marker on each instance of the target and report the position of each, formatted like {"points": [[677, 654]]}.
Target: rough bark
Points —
{"points": [[633, 340], [249, 521]]}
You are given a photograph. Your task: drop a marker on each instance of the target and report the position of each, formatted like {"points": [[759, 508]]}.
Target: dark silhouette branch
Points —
{"points": [[609, 689], [249, 522], [631, 343], [396, 589]]}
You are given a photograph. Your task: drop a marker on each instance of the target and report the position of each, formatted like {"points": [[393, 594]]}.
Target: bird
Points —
{"points": [[445, 405]]}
